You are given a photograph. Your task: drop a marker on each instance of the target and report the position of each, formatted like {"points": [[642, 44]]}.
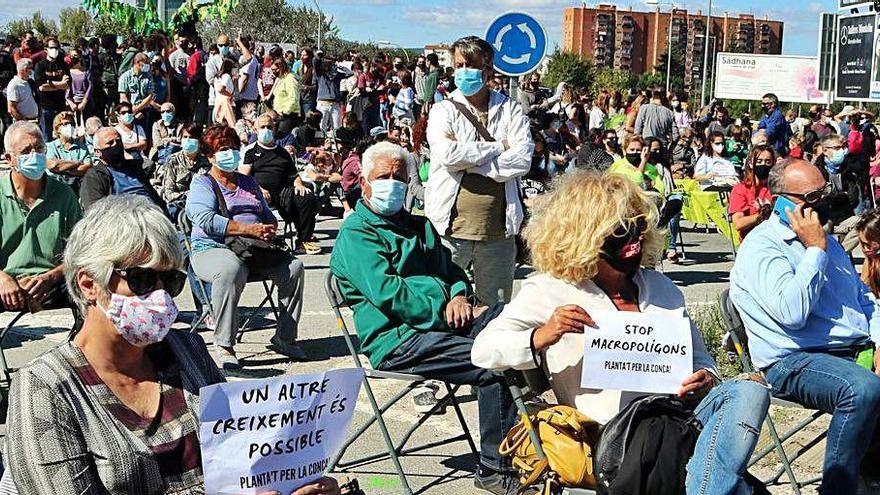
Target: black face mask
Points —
{"points": [[656, 157], [113, 155], [623, 249], [612, 143], [762, 172], [635, 159]]}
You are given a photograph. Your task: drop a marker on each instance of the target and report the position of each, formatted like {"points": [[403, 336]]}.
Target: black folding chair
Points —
{"points": [[736, 332], [185, 227], [394, 452]]}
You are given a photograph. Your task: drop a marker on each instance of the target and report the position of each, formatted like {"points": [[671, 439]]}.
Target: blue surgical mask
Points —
{"points": [[189, 145], [469, 81], [265, 136], [167, 117], [388, 196], [145, 68], [224, 50], [126, 118], [227, 160], [32, 165], [151, 54], [837, 157]]}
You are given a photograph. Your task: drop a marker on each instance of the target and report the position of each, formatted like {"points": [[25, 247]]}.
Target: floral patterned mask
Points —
{"points": [[142, 320]]}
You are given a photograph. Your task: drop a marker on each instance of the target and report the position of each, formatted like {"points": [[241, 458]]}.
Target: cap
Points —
{"points": [[377, 131], [848, 109]]}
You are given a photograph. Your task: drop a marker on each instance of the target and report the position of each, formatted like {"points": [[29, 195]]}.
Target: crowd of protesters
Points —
{"points": [[124, 150]]}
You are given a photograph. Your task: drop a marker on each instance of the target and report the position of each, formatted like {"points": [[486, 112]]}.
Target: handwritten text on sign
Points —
{"points": [[274, 434], [638, 352]]}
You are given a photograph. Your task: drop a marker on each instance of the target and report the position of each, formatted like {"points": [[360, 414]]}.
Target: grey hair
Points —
{"points": [[381, 150], [93, 124], [24, 63], [776, 181], [472, 46], [119, 232], [17, 128], [834, 139]]}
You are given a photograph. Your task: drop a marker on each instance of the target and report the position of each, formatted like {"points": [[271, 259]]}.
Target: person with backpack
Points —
{"points": [[590, 263]]}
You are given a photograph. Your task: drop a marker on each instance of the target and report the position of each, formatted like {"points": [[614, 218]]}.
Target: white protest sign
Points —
{"points": [[637, 352], [274, 434]]}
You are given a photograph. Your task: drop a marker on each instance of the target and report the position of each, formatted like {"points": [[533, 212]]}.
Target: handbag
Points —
{"points": [[566, 436], [256, 253]]}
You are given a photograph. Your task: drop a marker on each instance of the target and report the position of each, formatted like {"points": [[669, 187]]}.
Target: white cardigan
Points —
{"points": [[506, 341]]}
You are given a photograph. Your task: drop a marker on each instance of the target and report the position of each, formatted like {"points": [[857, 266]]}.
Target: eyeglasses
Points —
{"points": [[814, 195], [142, 281]]}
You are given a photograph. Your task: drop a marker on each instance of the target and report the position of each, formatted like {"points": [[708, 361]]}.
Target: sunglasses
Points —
{"points": [[813, 196], [142, 281]]}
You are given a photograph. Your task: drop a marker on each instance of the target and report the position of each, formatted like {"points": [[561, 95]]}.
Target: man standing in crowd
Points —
{"points": [[37, 214], [773, 123], [655, 120], [20, 93], [328, 75], [113, 174], [480, 145], [248, 79], [53, 78], [809, 318], [178, 60], [410, 301], [136, 88]]}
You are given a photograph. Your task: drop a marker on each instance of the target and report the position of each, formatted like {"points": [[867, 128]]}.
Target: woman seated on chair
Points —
{"points": [[590, 261], [249, 216], [98, 413]]}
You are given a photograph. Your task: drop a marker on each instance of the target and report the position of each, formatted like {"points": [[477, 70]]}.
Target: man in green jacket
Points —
{"points": [[410, 303]]}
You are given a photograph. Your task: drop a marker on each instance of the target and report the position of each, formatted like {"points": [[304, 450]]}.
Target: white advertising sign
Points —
{"points": [[746, 76]]}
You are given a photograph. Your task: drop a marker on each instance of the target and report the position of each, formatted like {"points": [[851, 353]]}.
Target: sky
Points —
{"points": [[414, 23]]}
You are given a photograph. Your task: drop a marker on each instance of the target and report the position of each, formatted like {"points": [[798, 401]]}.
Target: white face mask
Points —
{"points": [[52, 53], [718, 148], [67, 131]]}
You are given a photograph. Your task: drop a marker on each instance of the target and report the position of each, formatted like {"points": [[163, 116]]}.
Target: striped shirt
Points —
{"points": [[70, 435]]}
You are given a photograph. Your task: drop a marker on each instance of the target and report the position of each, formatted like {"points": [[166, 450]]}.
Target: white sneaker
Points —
{"points": [[424, 398]]}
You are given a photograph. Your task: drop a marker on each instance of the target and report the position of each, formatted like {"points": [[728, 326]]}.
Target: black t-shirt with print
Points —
{"points": [[273, 168], [51, 70]]}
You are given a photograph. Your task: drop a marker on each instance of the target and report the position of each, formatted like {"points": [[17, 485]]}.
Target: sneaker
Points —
{"points": [[228, 361], [501, 484], [672, 256], [309, 247], [424, 398], [288, 349]]}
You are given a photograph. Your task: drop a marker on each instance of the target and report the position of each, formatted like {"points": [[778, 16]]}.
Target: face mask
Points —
{"points": [[52, 53], [74, 60], [623, 249], [145, 68], [142, 320], [227, 160], [189, 145], [126, 118], [469, 81], [32, 165], [113, 155], [676, 105], [762, 172], [635, 159], [265, 135], [167, 117], [612, 143], [224, 50], [837, 157], [717, 148], [388, 196], [151, 54], [66, 131], [655, 157], [556, 125]]}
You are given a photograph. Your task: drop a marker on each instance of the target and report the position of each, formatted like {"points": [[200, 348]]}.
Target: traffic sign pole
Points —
{"points": [[520, 43]]}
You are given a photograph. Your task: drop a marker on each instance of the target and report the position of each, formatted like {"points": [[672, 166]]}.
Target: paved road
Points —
{"points": [[444, 470]]}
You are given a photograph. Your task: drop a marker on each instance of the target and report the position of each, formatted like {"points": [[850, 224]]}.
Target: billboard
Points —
{"points": [[852, 4], [746, 76], [855, 57]]}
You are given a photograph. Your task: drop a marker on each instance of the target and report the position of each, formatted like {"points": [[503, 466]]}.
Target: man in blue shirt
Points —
{"points": [[774, 124], [808, 317]]}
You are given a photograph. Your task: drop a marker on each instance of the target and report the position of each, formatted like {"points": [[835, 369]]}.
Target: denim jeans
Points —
{"points": [[732, 415], [494, 264], [447, 356], [850, 393], [47, 115]]}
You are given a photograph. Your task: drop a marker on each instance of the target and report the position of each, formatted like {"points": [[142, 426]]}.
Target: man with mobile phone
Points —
{"points": [[809, 319]]}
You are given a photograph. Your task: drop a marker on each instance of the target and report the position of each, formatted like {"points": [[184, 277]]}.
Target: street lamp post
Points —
{"points": [[395, 45], [668, 44], [706, 58], [320, 23]]}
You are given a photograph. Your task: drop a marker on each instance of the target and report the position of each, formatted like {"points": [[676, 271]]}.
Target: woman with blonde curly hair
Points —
{"points": [[589, 261]]}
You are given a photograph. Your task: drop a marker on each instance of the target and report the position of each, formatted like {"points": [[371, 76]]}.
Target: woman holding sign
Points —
{"points": [[115, 409], [592, 292]]}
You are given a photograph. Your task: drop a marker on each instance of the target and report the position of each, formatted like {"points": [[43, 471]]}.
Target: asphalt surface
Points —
{"points": [[446, 469]]}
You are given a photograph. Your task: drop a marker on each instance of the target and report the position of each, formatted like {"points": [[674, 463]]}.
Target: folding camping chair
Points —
{"points": [[185, 227], [337, 302], [527, 385], [736, 332]]}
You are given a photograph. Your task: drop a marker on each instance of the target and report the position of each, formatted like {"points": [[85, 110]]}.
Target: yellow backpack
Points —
{"points": [[567, 437]]}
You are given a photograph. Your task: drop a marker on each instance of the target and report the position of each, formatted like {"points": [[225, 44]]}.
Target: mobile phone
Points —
{"points": [[782, 204]]}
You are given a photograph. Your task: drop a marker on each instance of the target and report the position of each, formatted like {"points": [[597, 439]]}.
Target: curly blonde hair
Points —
{"points": [[569, 225]]}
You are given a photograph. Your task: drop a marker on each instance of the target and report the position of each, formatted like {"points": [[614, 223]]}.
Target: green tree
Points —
{"points": [[569, 68], [41, 26], [273, 21], [677, 72], [76, 22], [106, 24], [612, 80], [651, 80]]}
